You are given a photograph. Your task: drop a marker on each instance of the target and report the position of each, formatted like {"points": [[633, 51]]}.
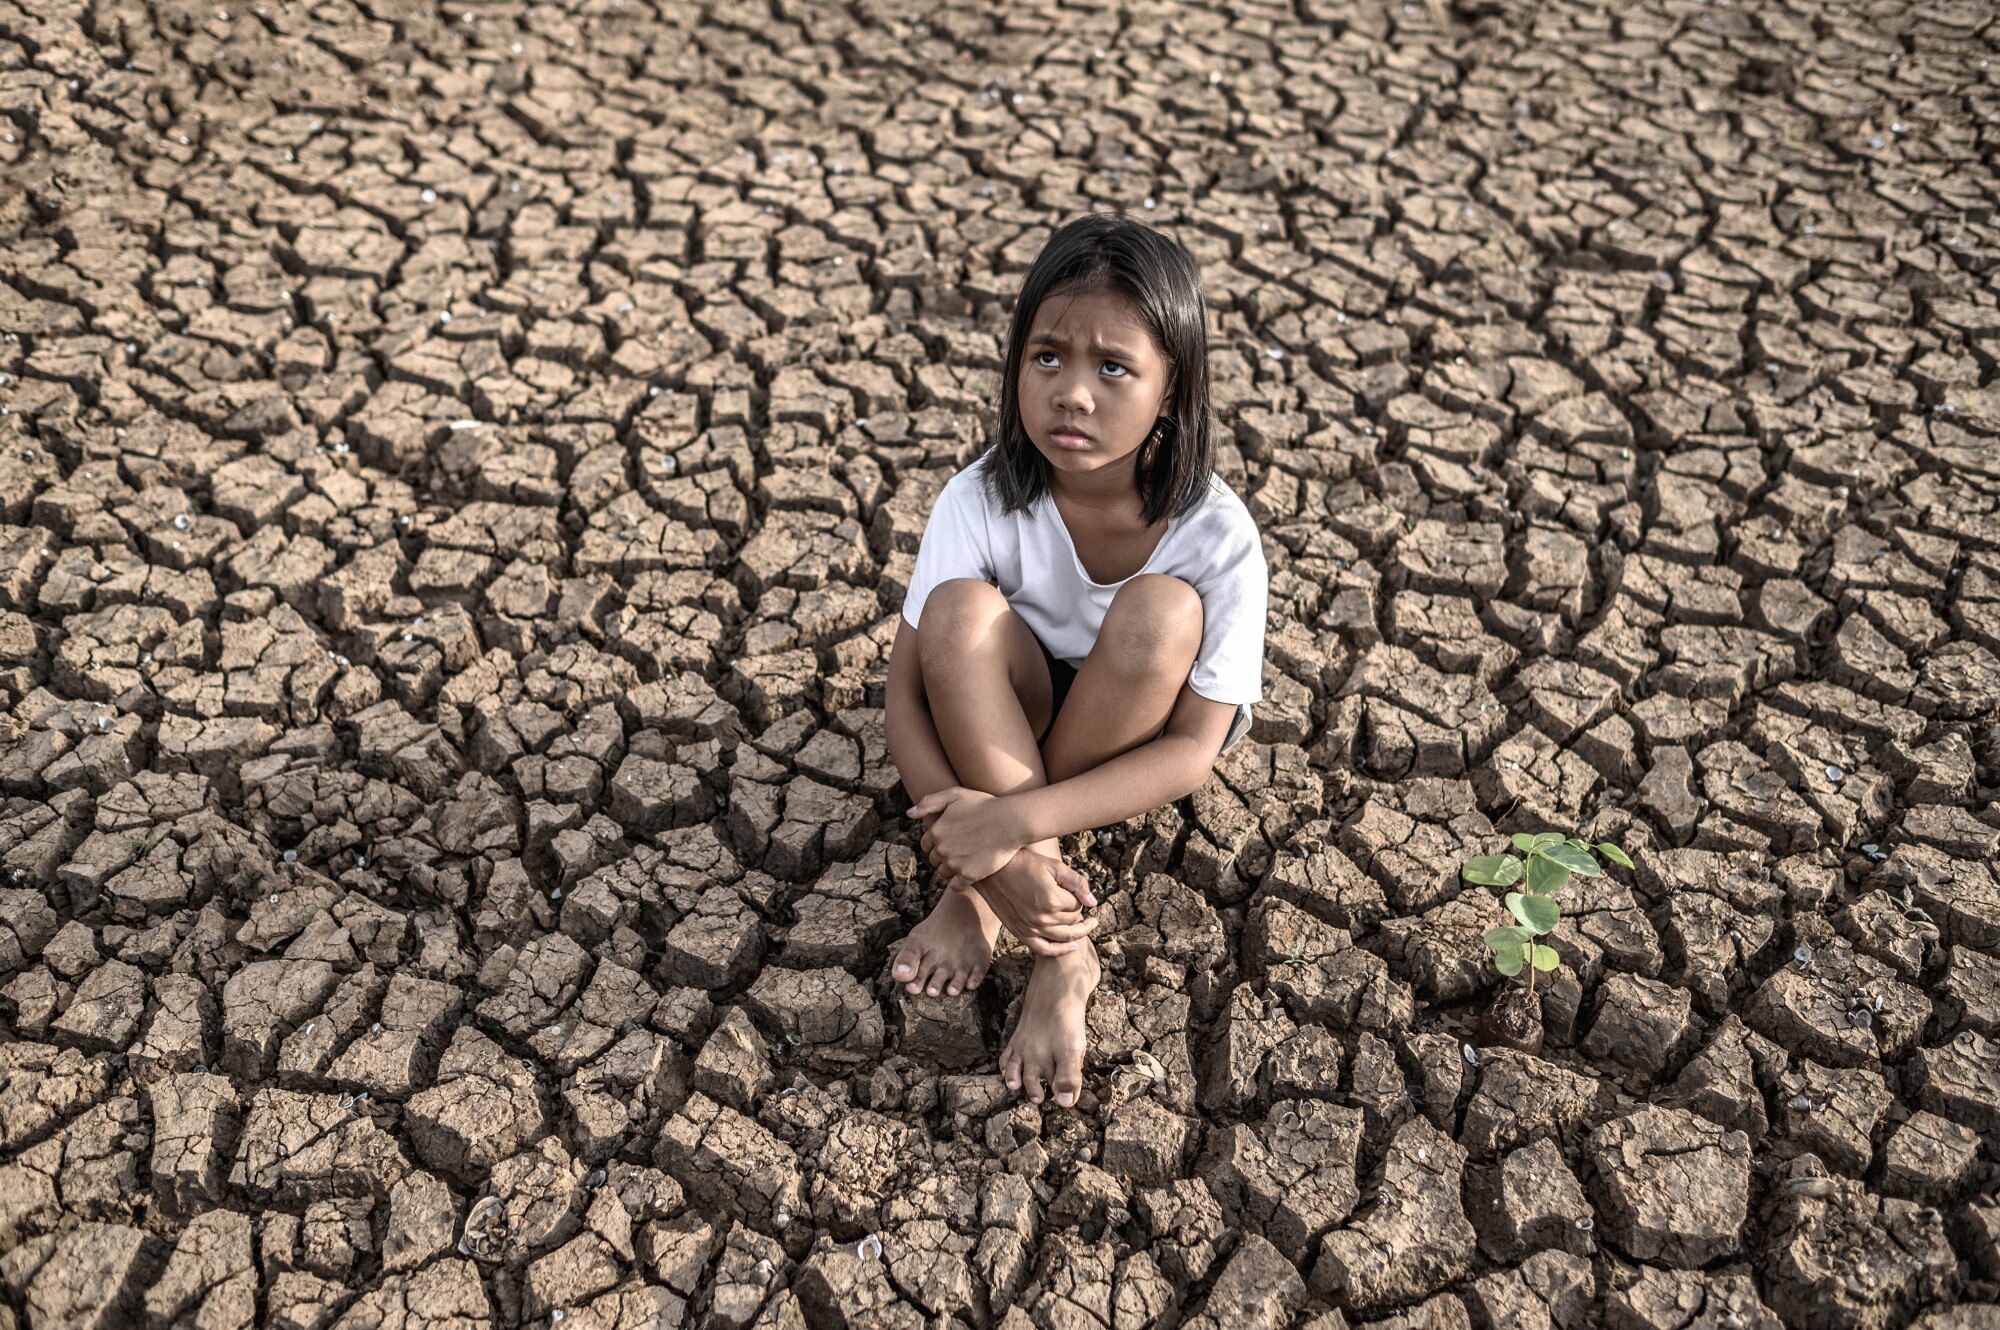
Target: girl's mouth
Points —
{"points": [[1065, 439]]}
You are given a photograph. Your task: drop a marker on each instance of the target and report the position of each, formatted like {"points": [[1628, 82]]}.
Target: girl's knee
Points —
{"points": [[1154, 618], [1162, 595], [957, 607]]}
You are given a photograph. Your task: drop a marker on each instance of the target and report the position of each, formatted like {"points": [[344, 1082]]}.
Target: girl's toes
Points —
{"points": [[907, 961], [976, 978], [1045, 1076], [1010, 1069], [1068, 1082]]}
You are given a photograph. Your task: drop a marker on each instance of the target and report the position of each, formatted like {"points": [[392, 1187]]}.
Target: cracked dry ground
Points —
{"points": [[460, 469]]}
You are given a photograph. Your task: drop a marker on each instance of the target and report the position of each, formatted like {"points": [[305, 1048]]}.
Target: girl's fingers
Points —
{"points": [[935, 801], [1076, 884], [1070, 932]]}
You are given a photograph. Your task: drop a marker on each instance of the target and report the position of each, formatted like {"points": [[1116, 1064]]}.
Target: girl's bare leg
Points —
{"points": [[987, 693], [1125, 690], [1122, 697]]}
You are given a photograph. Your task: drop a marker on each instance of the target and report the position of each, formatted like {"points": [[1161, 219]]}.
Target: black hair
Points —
{"points": [[1109, 251]]}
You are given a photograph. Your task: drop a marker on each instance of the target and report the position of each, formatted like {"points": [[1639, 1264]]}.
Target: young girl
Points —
{"points": [[1084, 630]]}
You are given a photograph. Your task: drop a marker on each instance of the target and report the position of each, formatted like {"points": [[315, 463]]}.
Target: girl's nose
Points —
{"points": [[1073, 393]]}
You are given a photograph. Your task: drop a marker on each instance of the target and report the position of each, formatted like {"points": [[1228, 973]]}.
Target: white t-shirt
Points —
{"points": [[1029, 555]]}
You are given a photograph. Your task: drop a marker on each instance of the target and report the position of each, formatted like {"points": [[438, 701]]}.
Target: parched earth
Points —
{"points": [[459, 471]]}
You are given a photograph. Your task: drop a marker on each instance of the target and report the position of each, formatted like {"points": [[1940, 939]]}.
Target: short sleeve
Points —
{"points": [[954, 543], [1235, 592]]}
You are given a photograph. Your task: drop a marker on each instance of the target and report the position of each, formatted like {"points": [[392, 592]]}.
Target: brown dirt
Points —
{"points": [[459, 467], [1513, 1019]]}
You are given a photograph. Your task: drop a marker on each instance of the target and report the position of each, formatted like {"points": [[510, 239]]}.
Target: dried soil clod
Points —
{"points": [[1671, 1187]]}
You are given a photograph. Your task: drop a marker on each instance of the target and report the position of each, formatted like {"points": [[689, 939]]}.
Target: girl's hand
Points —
{"points": [[971, 835], [1036, 898]]}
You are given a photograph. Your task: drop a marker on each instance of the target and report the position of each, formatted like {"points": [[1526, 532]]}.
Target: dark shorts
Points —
{"points": [[1061, 675]]}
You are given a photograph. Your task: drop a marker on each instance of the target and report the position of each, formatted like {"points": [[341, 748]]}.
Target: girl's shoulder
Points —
{"points": [[970, 479], [1217, 538], [1222, 513], [966, 486], [974, 488]]}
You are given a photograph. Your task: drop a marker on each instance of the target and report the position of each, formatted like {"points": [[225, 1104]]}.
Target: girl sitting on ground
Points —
{"points": [[1083, 633]]}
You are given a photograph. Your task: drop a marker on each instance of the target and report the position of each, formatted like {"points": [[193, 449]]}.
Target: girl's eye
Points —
{"points": [[1122, 371]]}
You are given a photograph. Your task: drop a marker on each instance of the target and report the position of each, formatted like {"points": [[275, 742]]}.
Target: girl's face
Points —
{"points": [[1093, 382]]}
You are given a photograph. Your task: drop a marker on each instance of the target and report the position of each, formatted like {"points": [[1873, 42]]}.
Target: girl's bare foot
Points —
{"points": [[1048, 1041], [949, 951]]}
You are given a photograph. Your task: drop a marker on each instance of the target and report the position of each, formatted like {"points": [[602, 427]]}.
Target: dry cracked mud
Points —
{"points": [[459, 468]]}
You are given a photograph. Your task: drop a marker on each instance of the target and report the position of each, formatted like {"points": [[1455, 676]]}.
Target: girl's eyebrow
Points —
{"points": [[1051, 339]]}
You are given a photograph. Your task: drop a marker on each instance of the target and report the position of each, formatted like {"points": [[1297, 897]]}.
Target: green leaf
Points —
{"points": [[1509, 935], [1547, 838], [1510, 961], [1492, 870], [1537, 913], [1544, 874], [1614, 854], [1524, 842], [1545, 958], [1575, 860]]}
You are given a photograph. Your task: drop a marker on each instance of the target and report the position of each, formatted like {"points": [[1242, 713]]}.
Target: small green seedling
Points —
{"points": [[1915, 913], [1546, 860]]}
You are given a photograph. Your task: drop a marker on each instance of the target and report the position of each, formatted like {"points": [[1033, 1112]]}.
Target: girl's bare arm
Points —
{"points": [[1134, 782]]}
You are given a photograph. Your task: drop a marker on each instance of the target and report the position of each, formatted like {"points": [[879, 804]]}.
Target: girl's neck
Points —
{"points": [[1110, 492]]}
